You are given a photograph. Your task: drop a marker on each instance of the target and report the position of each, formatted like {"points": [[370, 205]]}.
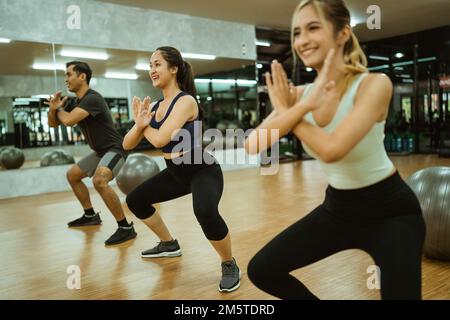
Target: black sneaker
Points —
{"points": [[121, 235], [163, 249], [231, 276], [86, 221]]}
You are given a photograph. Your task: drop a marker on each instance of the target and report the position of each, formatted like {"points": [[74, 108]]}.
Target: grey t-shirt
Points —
{"points": [[98, 127]]}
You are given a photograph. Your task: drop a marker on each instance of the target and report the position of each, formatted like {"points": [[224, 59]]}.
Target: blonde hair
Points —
{"points": [[337, 13]]}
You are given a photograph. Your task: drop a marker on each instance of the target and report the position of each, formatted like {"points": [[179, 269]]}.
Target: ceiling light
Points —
{"points": [[49, 66], [198, 56], [202, 80], [262, 43], [399, 55], [227, 81], [119, 75], [246, 82], [427, 59], [384, 66], [84, 54], [379, 58], [224, 81], [32, 99], [43, 96], [406, 63], [143, 66]]}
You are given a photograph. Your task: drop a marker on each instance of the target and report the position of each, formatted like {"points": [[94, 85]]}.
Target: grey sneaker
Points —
{"points": [[231, 276], [163, 249], [86, 221], [121, 235]]}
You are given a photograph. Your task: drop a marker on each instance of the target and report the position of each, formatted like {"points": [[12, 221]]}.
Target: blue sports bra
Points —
{"points": [[190, 136]]}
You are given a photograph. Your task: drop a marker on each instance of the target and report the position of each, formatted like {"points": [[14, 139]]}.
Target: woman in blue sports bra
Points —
{"points": [[178, 117], [340, 121]]}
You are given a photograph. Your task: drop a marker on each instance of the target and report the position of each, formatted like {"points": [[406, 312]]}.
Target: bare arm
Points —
{"points": [[279, 123], [71, 118], [185, 109], [54, 102], [57, 115], [53, 119], [370, 106], [132, 138]]}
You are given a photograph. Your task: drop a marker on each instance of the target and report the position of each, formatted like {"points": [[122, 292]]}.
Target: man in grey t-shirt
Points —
{"points": [[92, 114]]}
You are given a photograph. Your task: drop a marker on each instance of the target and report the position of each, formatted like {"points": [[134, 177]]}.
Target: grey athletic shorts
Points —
{"points": [[112, 160]]}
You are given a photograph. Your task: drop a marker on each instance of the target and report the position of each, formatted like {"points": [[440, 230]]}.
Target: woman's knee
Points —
{"points": [[258, 269], [140, 208], [212, 224]]}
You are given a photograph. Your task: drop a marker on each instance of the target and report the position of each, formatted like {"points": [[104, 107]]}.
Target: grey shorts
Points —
{"points": [[111, 160]]}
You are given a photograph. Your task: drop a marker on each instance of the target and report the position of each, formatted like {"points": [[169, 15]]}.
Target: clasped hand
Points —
{"points": [[283, 95], [142, 113]]}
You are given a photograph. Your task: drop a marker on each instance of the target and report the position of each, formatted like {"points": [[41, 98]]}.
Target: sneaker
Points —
{"points": [[86, 221], [163, 249], [231, 275], [121, 235]]}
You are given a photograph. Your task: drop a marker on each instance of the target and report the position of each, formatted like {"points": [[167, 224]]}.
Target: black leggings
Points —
{"points": [[384, 219], [204, 181]]}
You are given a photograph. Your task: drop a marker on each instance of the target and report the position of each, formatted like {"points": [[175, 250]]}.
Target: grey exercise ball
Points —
{"points": [[432, 187], [1, 150], [138, 168], [12, 158], [56, 158]]}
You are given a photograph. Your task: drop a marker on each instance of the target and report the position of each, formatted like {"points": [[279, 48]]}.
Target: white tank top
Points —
{"points": [[367, 163]]}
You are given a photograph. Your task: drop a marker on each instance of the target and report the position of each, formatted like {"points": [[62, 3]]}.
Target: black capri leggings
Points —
{"points": [[384, 219], [204, 181]]}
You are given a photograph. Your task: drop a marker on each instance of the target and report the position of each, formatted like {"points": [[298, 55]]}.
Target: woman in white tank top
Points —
{"points": [[340, 121]]}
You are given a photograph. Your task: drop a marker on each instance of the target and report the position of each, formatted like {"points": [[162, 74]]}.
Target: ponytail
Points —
{"points": [[355, 61], [185, 79]]}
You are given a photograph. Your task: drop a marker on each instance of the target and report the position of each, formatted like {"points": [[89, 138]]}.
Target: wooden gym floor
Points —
{"points": [[37, 247]]}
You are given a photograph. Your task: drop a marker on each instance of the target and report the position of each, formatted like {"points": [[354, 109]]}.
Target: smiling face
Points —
{"points": [[160, 72], [74, 80], [312, 37]]}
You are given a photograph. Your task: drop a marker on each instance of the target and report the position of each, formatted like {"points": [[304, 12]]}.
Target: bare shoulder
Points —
{"points": [[189, 103], [375, 84], [188, 100], [379, 80]]}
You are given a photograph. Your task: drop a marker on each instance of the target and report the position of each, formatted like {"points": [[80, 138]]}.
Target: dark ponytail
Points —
{"points": [[185, 79], [185, 74]]}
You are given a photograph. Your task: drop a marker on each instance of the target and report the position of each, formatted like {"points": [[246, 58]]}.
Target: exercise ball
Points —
{"points": [[138, 168], [432, 188], [12, 158], [1, 150], [56, 158]]}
